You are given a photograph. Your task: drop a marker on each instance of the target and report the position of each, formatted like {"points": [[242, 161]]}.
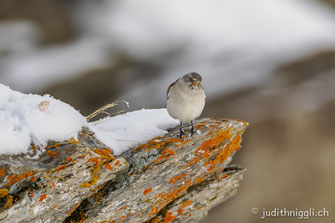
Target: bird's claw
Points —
{"points": [[181, 134], [192, 133]]}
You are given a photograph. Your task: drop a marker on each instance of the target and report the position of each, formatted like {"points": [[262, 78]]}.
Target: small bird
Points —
{"points": [[186, 99]]}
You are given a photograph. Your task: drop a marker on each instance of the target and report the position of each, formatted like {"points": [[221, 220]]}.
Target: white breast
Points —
{"points": [[185, 104]]}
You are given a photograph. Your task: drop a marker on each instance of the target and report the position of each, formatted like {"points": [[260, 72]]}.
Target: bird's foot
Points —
{"points": [[193, 132], [181, 134]]}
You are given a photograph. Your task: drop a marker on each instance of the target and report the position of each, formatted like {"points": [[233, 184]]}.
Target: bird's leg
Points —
{"points": [[181, 131], [192, 129]]}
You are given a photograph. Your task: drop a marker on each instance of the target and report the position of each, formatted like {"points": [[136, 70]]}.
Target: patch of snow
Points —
{"points": [[31, 118], [124, 131], [22, 122]]}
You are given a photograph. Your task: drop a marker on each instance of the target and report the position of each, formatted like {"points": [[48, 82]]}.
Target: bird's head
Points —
{"points": [[193, 80]]}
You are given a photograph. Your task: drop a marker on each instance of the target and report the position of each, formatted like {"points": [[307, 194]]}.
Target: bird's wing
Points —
{"points": [[168, 90]]}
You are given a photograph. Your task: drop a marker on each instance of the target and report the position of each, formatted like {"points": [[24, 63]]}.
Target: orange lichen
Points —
{"points": [[166, 154], [52, 185], [31, 194], [180, 211], [34, 148], [168, 197], [207, 150], [72, 209], [68, 159], [174, 179], [105, 153], [192, 162], [82, 218], [155, 220], [199, 180], [13, 179], [147, 145], [2, 172], [52, 207], [53, 154], [146, 191], [108, 166], [122, 208], [225, 175], [239, 120], [157, 143], [169, 217], [99, 161], [97, 188], [42, 197], [200, 126], [186, 203], [94, 160], [96, 168], [73, 141], [8, 202], [91, 182], [33, 179], [223, 155], [3, 193], [159, 195], [83, 156], [61, 167], [123, 217], [117, 163]]}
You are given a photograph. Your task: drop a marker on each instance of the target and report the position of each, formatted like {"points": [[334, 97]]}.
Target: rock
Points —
{"points": [[164, 179]]}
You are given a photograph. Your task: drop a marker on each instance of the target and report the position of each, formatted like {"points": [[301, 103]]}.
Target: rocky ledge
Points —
{"points": [[163, 180]]}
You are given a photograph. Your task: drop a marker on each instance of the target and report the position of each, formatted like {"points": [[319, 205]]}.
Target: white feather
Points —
{"points": [[184, 103]]}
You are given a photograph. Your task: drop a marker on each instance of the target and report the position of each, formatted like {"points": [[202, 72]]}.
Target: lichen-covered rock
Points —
{"points": [[166, 179]]}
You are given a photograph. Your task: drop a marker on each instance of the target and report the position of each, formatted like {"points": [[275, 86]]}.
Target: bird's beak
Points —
{"points": [[195, 83]]}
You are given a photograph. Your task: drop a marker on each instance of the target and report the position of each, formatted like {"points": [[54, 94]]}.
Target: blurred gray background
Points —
{"points": [[268, 62]]}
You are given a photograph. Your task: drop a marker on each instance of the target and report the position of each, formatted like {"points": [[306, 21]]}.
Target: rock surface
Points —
{"points": [[166, 179]]}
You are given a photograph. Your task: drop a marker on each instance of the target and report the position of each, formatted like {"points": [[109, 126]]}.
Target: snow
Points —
{"points": [[26, 119], [31, 118], [124, 131]]}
